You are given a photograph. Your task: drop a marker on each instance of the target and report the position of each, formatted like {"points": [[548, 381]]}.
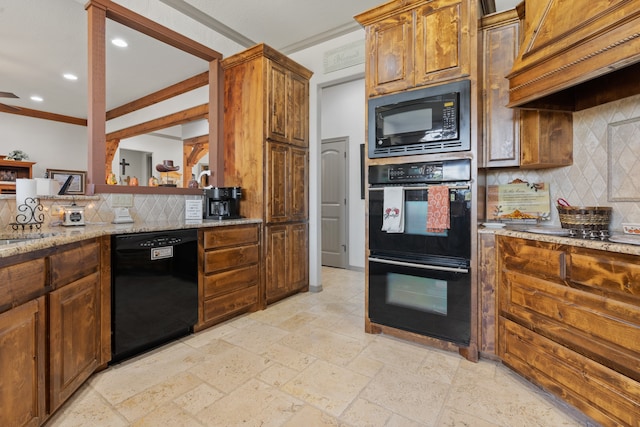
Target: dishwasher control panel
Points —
{"points": [[160, 241]]}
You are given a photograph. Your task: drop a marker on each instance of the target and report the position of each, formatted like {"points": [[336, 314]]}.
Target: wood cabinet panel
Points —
{"points": [[75, 263], [22, 282], [22, 365], [277, 123], [578, 334], [298, 256], [229, 281], [223, 259], [74, 336], [513, 137], [487, 267], [230, 236], [389, 67], [229, 277], [611, 275], [443, 40], [298, 111], [411, 44], [225, 306], [299, 185], [276, 268], [537, 260], [602, 393], [278, 163]]}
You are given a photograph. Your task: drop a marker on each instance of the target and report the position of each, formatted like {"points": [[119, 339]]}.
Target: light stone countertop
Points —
{"points": [[55, 236], [571, 241]]}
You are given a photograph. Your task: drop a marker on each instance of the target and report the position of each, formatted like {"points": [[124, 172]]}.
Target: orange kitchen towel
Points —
{"points": [[438, 209]]}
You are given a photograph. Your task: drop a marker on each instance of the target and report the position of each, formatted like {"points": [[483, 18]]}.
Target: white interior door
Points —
{"points": [[334, 224]]}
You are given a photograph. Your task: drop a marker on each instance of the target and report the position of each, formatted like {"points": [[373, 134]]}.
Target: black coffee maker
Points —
{"points": [[222, 203]]}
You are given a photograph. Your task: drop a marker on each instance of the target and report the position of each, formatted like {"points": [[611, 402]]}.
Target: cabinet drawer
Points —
{"points": [[226, 305], [230, 236], [21, 282], [224, 259], [229, 281], [73, 264], [538, 259], [606, 330], [610, 274], [602, 393]]}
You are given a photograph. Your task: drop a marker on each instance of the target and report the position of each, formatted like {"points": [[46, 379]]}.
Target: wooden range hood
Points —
{"points": [[576, 54]]}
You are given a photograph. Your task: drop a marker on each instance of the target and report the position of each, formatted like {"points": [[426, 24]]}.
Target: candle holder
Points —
{"points": [[29, 215]]}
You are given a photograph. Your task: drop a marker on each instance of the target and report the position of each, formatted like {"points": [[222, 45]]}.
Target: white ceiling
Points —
{"points": [[42, 39]]}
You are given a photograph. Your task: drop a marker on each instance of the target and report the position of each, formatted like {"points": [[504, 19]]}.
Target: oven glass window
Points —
{"points": [[415, 220], [420, 293]]}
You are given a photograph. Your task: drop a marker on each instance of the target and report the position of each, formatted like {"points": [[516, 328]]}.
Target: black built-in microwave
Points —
{"points": [[429, 120]]}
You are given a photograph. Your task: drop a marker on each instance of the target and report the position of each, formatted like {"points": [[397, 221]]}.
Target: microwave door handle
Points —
{"points": [[421, 266]]}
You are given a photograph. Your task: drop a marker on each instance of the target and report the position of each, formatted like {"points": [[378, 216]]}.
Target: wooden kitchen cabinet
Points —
{"points": [[488, 292], [75, 328], [23, 364], [416, 43], [266, 140], [52, 328], [513, 137], [569, 321], [230, 276], [287, 260], [13, 169], [287, 112]]}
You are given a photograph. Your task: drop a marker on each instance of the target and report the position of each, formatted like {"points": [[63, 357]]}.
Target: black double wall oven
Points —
{"points": [[419, 278]]}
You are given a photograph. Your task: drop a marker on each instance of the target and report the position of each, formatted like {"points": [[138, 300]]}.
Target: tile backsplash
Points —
{"points": [[606, 163], [98, 209]]}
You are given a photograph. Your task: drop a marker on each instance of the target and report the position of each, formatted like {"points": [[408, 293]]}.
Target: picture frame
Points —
{"points": [[78, 185]]}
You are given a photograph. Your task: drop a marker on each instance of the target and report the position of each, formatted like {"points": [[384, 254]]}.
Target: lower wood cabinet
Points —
{"points": [[287, 256], [230, 273], [74, 329], [51, 341], [22, 364], [569, 320]]}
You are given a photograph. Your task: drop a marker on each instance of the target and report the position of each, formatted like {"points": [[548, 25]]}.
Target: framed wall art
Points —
{"points": [[78, 184]]}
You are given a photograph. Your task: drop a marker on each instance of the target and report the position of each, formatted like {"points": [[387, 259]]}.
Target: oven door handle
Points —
{"points": [[422, 266]]}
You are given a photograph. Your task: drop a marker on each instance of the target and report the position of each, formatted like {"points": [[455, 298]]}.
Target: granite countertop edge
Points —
{"points": [[60, 235], [571, 241]]}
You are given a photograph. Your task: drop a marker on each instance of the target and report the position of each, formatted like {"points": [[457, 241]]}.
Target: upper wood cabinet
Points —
{"points": [[287, 108], [415, 43], [513, 137]]}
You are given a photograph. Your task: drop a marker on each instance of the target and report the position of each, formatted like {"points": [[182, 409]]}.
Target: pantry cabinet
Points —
{"points": [[513, 137], [229, 281], [266, 139], [569, 321], [416, 43]]}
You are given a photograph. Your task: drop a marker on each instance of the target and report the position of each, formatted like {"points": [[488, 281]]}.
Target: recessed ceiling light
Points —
{"points": [[119, 43], [37, 98], [70, 76]]}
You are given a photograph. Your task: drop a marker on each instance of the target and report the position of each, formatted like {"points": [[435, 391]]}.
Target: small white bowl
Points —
{"points": [[631, 228]]}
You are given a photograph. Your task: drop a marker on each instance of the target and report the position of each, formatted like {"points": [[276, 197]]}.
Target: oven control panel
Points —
{"points": [[426, 172]]}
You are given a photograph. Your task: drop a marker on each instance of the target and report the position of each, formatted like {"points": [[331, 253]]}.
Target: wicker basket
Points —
{"points": [[585, 217]]}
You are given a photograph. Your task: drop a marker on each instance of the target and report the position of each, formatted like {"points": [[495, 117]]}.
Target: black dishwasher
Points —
{"points": [[154, 289]]}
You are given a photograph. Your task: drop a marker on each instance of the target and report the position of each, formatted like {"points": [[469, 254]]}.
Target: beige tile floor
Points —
{"points": [[306, 361]]}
